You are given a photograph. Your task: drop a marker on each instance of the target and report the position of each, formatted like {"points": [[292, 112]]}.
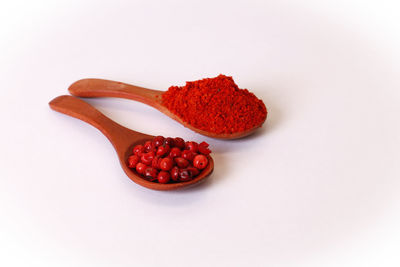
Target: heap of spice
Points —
{"points": [[169, 160], [216, 105]]}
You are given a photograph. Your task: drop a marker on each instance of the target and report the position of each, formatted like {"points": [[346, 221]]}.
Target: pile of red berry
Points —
{"points": [[169, 160]]}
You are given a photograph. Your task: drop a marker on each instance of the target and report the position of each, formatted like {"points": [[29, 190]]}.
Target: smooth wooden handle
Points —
{"points": [[107, 88], [118, 135]]}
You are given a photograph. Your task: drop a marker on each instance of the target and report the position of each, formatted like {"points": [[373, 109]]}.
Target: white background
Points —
{"points": [[318, 185]]}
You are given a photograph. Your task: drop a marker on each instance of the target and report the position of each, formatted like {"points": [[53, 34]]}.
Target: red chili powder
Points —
{"points": [[216, 105]]}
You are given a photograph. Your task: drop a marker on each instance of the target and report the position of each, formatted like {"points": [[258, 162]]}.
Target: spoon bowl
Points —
{"points": [[122, 138], [107, 88]]}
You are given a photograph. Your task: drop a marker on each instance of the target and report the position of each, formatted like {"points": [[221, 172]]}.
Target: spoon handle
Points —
{"points": [[107, 88], [118, 135]]}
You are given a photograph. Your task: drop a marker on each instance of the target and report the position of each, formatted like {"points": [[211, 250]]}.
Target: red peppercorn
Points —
{"points": [[185, 175], [158, 141], [163, 150], [174, 174], [188, 155], [163, 177], [175, 152], [156, 163], [133, 160], [194, 171], [192, 146], [169, 141], [141, 168], [200, 162], [179, 143], [203, 148], [148, 146], [181, 162], [147, 158], [151, 173], [138, 150], [166, 164]]}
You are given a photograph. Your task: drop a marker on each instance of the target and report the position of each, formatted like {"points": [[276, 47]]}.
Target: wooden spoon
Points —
{"points": [[123, 139], [107, 88]]}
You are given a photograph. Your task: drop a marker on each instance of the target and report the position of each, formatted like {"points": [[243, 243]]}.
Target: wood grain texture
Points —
{"points": [[107, 88], [122, 138]]}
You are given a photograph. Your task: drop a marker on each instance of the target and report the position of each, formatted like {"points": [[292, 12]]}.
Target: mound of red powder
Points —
{"points": [[216, 105]]}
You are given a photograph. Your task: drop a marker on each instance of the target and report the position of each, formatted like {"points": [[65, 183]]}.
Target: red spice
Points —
{"points": [[138, 150], [216, 105], [175, 174], [163, 150], [203, 148], [188, 155], [181, 162], [159, 160], [175, 152], [163, 177], [200, 162], [166, 164], [133, 160]]}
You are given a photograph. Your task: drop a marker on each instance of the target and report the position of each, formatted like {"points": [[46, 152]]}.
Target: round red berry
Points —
{"points": [[179, 142], [138, 150], [148, 146], [155, 163], [192, 146], [185, 175], [175, 152], [151, 173], [163, 150], [188, 155], [175, 174], [141, 168], [194, 171], [147, 158], [158, 141], [169, 141], [181, 162], [163, 177], [133, 160], [166, 164], [200, 162]]}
